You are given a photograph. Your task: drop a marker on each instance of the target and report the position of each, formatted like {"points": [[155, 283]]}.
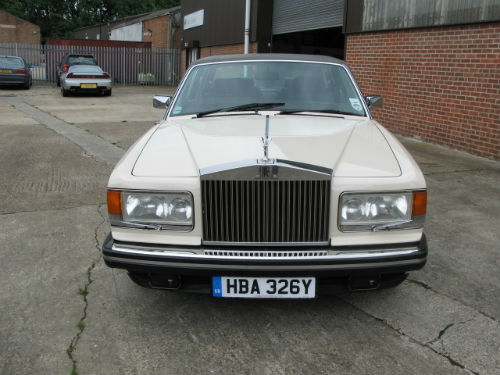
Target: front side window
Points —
{"points": [[300, 86]]}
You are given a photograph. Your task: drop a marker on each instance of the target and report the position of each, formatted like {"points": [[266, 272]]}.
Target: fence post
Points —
{"points": [[124, 74]]}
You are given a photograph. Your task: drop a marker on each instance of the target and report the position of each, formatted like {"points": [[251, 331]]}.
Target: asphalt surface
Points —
{"points": [[62, 310]]}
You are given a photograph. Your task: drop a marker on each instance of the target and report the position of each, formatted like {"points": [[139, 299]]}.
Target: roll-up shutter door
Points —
{"points": [[299, 15]]}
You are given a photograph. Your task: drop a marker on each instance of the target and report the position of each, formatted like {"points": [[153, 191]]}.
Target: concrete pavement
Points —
{"points": [[62, 310]]}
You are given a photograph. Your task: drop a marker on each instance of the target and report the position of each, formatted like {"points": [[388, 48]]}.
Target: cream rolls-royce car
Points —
{"points": [[267, 178]]}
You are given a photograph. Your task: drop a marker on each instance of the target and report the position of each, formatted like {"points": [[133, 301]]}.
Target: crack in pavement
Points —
{"points": [[458, 171], [84, 293], [425, 345], [445, 329], [94, 146], [428, 287], [51, 210]]}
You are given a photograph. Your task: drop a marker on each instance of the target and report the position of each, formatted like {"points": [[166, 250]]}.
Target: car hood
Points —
{"points": [[350, 146]]}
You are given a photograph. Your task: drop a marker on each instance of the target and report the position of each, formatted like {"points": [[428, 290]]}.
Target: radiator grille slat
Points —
{"points": [[265, 211]]}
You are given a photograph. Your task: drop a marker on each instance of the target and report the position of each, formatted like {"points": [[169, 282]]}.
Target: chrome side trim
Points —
{"points": [[276, 169], [229, 254], [260, 244]]}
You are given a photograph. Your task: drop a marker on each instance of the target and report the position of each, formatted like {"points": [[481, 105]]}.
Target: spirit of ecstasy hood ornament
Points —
{"points": [[266, 141]]}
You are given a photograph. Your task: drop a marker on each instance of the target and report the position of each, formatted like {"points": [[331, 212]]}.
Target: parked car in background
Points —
{"points": [[267, 178], [71, 59], [85, 79], [15, 71]]}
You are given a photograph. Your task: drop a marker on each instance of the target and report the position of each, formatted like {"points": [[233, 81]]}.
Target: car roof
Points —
{"points": [[268, 56], [79, 54]]}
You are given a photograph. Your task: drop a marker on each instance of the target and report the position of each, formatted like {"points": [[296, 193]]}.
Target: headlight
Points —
{"points": [[151, 210], [382, 211]]}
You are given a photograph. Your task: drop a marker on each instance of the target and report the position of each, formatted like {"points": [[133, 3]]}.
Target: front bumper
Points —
{"points": [[324, 262]]}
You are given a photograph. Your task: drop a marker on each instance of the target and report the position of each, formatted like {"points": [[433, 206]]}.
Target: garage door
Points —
{"points": [[290, 16]]}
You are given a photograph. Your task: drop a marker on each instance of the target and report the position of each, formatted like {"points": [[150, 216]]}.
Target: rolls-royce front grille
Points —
{"points": [[265, 212]]}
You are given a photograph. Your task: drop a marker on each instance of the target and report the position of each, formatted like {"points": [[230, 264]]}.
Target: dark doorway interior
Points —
{"points": [[329, 42]]}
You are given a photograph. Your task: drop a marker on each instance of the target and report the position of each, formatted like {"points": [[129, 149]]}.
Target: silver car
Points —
{"points": [[85, 78]]}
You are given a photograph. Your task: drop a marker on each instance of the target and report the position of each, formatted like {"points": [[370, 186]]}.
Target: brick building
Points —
{"points": [[435, 62], [161, 28], [437, 66], [16, 30]]}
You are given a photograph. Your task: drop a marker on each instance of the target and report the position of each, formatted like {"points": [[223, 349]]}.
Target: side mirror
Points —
{"points": [[374, 101], [161, 101]]}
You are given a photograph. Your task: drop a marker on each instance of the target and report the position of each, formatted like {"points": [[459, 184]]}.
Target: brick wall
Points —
{"points": [[16, 30], [439, 84], [156, 32], [228, 49]]}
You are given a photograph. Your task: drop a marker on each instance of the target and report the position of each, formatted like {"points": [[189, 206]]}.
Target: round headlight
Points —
{"points": [[180, 209], [352, 210]]}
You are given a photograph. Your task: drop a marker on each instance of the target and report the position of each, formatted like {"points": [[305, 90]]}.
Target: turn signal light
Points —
{"points": [[114, 198], [419, 203]]}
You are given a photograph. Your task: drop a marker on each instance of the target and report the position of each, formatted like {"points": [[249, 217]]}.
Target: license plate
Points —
{"points": [[88, 85], [5, 71], [264, 287]]}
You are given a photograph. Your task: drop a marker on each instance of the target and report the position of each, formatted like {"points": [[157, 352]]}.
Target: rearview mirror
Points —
{"points": [[161, 101], [374, 101]]}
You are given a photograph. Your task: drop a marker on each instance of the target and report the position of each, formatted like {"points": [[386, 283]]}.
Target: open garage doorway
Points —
{"points": [[329, 42]]}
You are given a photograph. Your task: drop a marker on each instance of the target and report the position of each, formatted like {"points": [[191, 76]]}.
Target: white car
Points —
{"points": [[85, 79], [267, 178]]}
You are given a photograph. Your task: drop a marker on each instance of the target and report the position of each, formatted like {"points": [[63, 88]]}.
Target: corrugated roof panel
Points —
{"points": [[297, 15], [401, 14]]}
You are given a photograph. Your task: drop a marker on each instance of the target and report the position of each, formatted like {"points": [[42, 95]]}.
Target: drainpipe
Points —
{"points": [[247, 24]]}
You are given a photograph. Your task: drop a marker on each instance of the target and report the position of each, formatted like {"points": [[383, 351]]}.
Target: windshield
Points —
{"points": [[73, 60], [11, 61], [298, 86], [85, 69]]}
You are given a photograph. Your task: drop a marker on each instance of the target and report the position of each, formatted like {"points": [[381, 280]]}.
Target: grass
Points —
{"points": [[80, 326]]}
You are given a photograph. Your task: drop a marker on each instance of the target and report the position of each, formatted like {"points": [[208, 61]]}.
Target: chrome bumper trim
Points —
{"points": [[232, 254]]}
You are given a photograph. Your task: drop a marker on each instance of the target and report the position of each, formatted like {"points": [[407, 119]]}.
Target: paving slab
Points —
{"points": [[122, 134], [453, 329], [45, 257], [153, 332], [43, 171], [10, 116], [126, 104]]}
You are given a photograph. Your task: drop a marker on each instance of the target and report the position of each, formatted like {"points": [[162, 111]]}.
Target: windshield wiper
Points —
{"points": [[242, 107], [329, 111]]}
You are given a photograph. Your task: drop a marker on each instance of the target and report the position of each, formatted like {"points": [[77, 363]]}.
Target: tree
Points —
{"points": [[58, 18]]}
